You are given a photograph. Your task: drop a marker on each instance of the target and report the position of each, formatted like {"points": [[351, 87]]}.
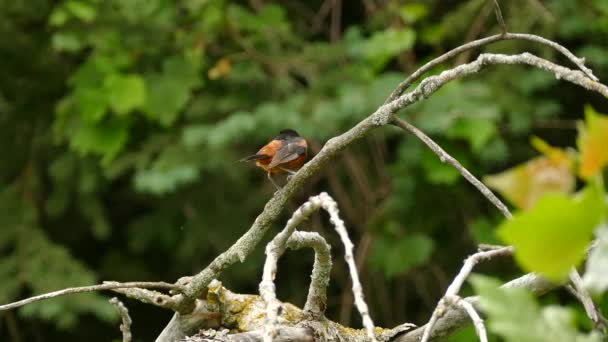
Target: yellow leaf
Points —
{"points": [[220, 69], [525, 183], [593, 143]]}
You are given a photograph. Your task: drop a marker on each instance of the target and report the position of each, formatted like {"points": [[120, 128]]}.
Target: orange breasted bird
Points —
{"points": [[285, 153]]}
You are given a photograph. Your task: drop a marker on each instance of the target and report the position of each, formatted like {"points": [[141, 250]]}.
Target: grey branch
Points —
{"points": [[456, 317], [277, 246], [480, 329], [499, 18], [125, 327], [451, 294], [274, 250], [152, 297], [580, 292], [92, 288], [446, 158], [316, 302], [402, 87]]}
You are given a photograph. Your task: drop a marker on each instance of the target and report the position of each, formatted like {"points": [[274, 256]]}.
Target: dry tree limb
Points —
{"points": [[580, 292], [499, 18], [456, 317], [125, 327], [316, 301], [446, 158], [480, 329], [92, 288], [451, 294], [277, 246], [152, 297], [274, 250], [579, 62]]}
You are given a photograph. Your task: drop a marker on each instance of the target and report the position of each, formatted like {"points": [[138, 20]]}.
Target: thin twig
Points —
{"points": [[501, 21], [446, 158], [402, 87], [92, 288], [454, 288], [125, 327], [332, 208], [480, 329], [580, 292]]}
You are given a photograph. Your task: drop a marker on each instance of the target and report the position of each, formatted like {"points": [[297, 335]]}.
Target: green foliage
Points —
{"points": [[41, 265], [553, 235], [515, 315], [395, 256]]}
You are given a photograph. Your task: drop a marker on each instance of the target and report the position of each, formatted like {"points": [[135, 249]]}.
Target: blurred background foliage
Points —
{"points": [[121, 121]]}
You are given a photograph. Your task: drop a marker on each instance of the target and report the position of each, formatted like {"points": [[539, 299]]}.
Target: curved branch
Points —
{"points": [[92, 288], [456, 317], [277, 246], [579, 62], [316, 301]]}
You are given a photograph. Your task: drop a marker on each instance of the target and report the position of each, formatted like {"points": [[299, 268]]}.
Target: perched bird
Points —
{"points": [[284, 154]]}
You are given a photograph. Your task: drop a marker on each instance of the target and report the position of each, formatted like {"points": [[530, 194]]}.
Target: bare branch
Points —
{"points": [[456, 317], [125, 327], [454, 288], [92, 288], [402, 87], [580, 292], [316, 302], [501, 21], [480, 329], [152, 297], [276, 247], [274, 250], [332, 209], [446, 158]]}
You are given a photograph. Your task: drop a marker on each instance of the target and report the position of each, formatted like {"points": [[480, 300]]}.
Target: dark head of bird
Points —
{"points": [[287, 133]]}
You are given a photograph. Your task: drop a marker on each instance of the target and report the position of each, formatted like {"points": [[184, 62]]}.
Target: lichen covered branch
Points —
{"points": [[316, 301]]}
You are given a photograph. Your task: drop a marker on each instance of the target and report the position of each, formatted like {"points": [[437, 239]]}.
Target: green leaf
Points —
{"points": [[66, 41], [161, 181], [412, 12], [106, 138], [81, 10], [514, 314], [381, 46], [395, 256], [58, 17], [483, 232], [92, 103], [596, 271], [125, 92], [478, 131], [169, 91], [552, 236]]}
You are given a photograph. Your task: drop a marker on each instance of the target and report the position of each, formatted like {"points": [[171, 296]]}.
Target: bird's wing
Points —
{"points": [[265, 152], [286, 154], [254, 157]]}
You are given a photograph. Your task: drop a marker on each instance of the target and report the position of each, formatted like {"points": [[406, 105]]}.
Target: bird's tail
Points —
{"points": [[253, 157]]}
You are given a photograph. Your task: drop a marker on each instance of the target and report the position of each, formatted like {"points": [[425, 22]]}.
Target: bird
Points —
{"points": [[285, 153]]}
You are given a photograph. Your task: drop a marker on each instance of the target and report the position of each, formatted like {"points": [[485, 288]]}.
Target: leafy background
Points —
{"points": [[121, 121]]}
